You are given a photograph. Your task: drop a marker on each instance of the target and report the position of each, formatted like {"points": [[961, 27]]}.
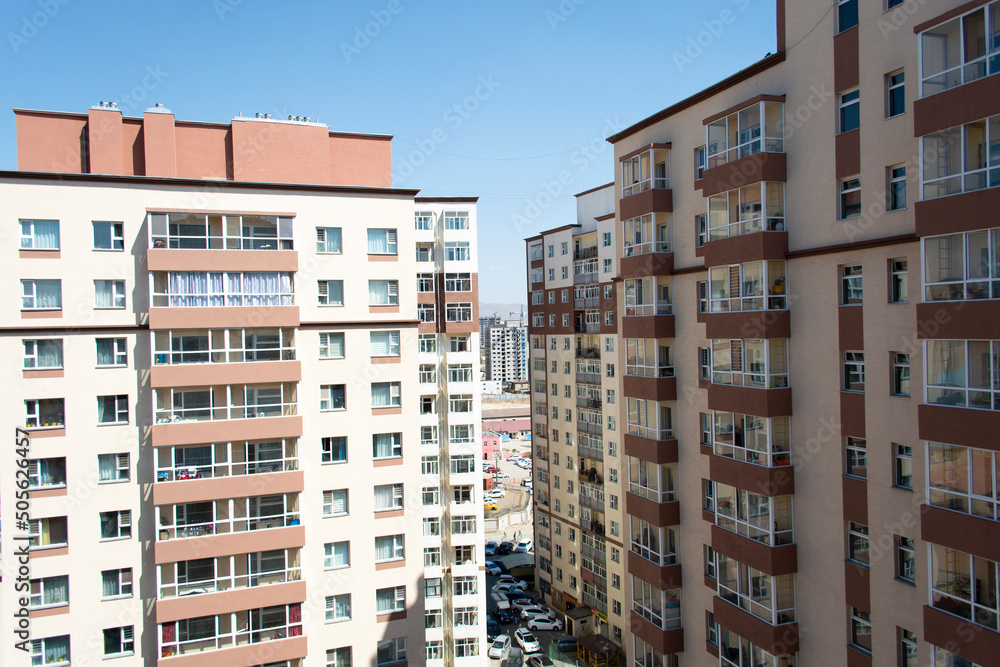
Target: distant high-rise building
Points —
{"points": [[507, 351]]}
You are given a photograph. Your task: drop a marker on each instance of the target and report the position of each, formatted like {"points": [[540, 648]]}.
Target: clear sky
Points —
{"points": [[484, 98]]}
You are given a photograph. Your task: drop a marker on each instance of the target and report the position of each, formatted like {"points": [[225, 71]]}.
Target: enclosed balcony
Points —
{"points": [[647, 297], [656, 544], [761, 518], [224, 402], [761, 364], [646, 169], [963, 373], [650, 419], [588, 347], [590, 446], [226, 459], [232, 630], [655, 482], [227, 573], [587, 322], [750, 439], [590, 421], [592, 496], [586, 296], [769, 598], [647, 234], [756, 128], [585, 271], [591, 471], [201, 231], [222, 346], [589, 395], [593, 546], [588, 371], [747, 210], [230, 515]]}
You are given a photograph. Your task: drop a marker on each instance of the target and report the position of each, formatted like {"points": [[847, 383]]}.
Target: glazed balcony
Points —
{"points": [[233, 636], [223, 574], [646, 181], [647, 249], [182, 357], [758, 441], [226, 516]]}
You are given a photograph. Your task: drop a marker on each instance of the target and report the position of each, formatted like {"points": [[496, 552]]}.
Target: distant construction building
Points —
{"points": [[507, 351]]}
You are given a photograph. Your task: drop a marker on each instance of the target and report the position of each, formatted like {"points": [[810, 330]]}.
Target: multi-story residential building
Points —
{"points": [[221, 355], [507, 351], [805, 430]]}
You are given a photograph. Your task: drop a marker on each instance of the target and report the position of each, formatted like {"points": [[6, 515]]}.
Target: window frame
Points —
{"points": [[116, 236], [892, 85], [118, 296], [847, 187], [849, 110], [32, 293], [28, 240]]}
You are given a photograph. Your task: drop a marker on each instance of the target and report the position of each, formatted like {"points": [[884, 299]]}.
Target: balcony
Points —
{"points": [[222, 346], [593, 403], [736, 134], [225, 573], [595, 551], [234, 632], [589, 427], [205, 231], [590, 452], [588, 352], [587, 303], [585, 253], [651, 432], [594, 602], [227, 516]]}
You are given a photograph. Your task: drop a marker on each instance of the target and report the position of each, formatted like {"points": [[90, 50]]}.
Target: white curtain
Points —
{"points": [[384, 343], [335, 344], [188, 288], [106, 465], [110, 584], [56, 650], [378, 292], [382, 445], [377, 242], [49, 353], [385, 547], [381, 394], [338, 554], [104, 294], [385, 601], [48, 294], [55, 590], [234, 289], [383, 497]]}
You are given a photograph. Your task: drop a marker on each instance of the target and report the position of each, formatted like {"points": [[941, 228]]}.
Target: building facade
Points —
{"points": [[220, 356], [507, 351], [805, 356]]}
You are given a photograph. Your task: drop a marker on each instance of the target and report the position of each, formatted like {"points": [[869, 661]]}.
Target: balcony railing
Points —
{"points": [[748, 379], [590, 452], [655, 495], [631, 250], [585, 253], [173, 415], [226, 526], [747, 226], [234, 581], [588, 353], [591, 302], [643, 371], [651, 432], [229, 632], [594, 403], [587, 427], [225, 469], [662, 560], [587, 327], [584, 278], [593, 552], [220, 346], [768, 459], [648, 309], [594, 603]]}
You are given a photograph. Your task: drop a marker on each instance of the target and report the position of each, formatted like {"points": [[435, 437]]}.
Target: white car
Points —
{"points": [[496, 494], [540, 660], [509, 579], [544, 622], [505, 588], [500, 647], [531, 611], [527, 641], [493, 569], [525, 546]]}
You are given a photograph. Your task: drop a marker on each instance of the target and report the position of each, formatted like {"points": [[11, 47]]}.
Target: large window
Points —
{"points": [[756, 128], [49, 592], [42, 354], [112, 351], [388, 600], [963, 373], [383, 292], [965, 585], [652, 542], [457, 251], [458, 312], [741, 287], [338, 608], [331, 345], [50, 651], [198, 289], [964, 479], [961, 159], [331, 292], [46, 472], [337, 555], [112, 409], [116, 525], [961, 50], [216, 232], [44, 413], [108, 236], [746, 210], [761, 518], [387, 445], [751, 439], [646, 234], [41, 295], [335, 503], [652, 481], [847, 14], [382, 242], [649, 169], [328, 240], [962, 266], [332, 397], [458, 282], [119, 641], [456, 219], [45, 533], [389, 547], [40, 234], [771, 598], [750, 363], [386, 394], [388, 497], [109, 294]]}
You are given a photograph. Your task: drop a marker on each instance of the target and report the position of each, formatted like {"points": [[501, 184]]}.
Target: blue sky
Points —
{"points": [[490, 99]]}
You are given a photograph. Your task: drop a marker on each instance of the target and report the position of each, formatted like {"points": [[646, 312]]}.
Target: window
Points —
{"points": [[388, 600], [108, 236], [40, 234], [850, 198], [699, 162], [383, 292], [458, 282], [701, 230], [711, 565], [49, 532], [42, 354], [50, 651], [338, 608], [386, 395], [111, 352], [336, 555], [850, 110], [895, 94], [907, 640], [898, 284], [861, 630], [332, 397], [460, 373], [426, 312], [854, 371], [465, 555], [335, 503], [903, 468], [468, 646], [328, 241], [459, 343], [897, 188], [425, 282], [457, 251], [116, 583], [427, 343], [564, 248], [959, 51], [961, 158], [48, 592], [606, 239], [552, 251], [962, 266], [857, 543], [46, 472], [112, 409], [389, 547], [381, 241], [112, 467], [44, 413], [388, 497], [109, 294], [458, 312], [964, 585], [423, 220], [334, 449], [331, 292], [430, 496], [41, 295], [387, 445], [900, 374], [460, 403], [852, 291], [339, 657], [607, 266], [857, 457], [906, 564], [847, 14], [963, 479], [116, 525], [119, 641], [331, 345]]}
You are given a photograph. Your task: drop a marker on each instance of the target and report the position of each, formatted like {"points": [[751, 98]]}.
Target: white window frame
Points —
{"points": [[847, 100], [323, 299], [115, 234], [391, 242], [29, 294], [330, 498], [31, 353], [392, 293], [120, 409], [334, 604], [120, 352], [117, 291], [29, 238]]}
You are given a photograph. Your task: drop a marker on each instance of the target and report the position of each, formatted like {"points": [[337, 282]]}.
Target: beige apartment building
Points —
{"points": [[805, 275], [247, 368]]}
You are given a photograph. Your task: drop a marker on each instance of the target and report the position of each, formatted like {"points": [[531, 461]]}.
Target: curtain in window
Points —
{"points": [[48, 294], [46, 235], [335, 292], [378, 292], [234, 289], [383, 497], [385, 601], [384, 343], [169, 632], [105, 410], [382, 445], [109, 584], [336, 344], [109, 524], [189, 288], [56, 650], [104, 295], [56, 590], [385, 548], [381, 394], [107, 470], [339, 502], [377, 242], [49, 353]]}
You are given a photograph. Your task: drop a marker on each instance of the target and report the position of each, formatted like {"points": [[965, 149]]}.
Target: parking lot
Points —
{"points": [[516, 498]]}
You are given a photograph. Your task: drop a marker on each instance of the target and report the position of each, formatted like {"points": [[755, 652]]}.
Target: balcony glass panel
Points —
{"points": [[649, 357], [769, 598], [212, 633], [963, 373], [964, 479], [226, 573], [761, 364], [652, 481], [960, 51], [220, 346], [646, 234], [754, 208], [201, 289], [743, 133], [654, 543], [224, 402], [751, 439], [648, 296], [233, 515], [965, 585], [650, 419], [226, 459], [201, 231], [741, 287], [761, 518], [649, 169], [961, 159], [961, 267]]}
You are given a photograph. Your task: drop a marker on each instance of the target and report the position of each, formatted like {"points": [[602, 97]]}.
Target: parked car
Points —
{"points": [[493, 569], [539, 660], [505, 548], [491, 548], [499, 565], [519, 602], [530, 611], [525, 546], [492, 628], [544, 622], [509, 579], [495, 494], [565, 645], [501, 475], [500, 647], [505, 588], [527, 641], [492, 469]]}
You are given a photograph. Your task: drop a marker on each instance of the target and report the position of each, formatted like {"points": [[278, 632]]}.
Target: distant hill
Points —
{"points": [[505, 311]]}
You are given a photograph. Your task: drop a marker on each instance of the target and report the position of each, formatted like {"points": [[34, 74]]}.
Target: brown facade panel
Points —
{"points": [[658, 514], [775, 639], [958, 320], [663, 577], [856, 658], [744, 171], [850, 325], [845, 60], [771, 560], [847, 148], [746, 248], [654, 451], [657, 389], [647, 264], [959, 426], [749, 401], [664, 641], [973, 535], [852, 414], [652, 326], [956, 106], [778, 481], [857, 586], [855, 499], [655, 200], [956, 213], [748, 324], [961, 637]]}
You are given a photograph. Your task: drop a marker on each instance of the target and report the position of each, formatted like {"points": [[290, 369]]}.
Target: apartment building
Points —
{"points": [[507, 351], [806, 428], [221, 354]]}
